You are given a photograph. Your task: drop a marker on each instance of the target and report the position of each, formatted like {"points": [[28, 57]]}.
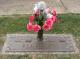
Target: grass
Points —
{"points": [[13, 24], [66, 24]]}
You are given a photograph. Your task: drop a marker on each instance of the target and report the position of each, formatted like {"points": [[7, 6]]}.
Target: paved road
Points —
{"points": [[8, 7]]}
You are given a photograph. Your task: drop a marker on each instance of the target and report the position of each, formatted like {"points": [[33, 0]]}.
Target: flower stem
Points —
{"points": [[40, 32]]}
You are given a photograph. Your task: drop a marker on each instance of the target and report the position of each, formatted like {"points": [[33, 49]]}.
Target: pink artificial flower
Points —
{"points": [[29, 26], [48, 24], [36, 28], [31, 18], [49, 21], [54, 19], [53, 12], [47, 27]]}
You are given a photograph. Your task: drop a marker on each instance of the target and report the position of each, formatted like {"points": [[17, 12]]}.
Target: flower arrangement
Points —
{"points": [[43, 17]]}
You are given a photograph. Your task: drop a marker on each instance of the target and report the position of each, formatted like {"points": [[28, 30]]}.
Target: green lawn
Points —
{"points": [[66, 24]]}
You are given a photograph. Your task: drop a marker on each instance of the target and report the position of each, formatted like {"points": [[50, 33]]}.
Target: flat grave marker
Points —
{"points": [[28, 44]]}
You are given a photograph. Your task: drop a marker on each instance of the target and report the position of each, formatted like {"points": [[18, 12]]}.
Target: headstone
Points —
{"points": [[29, 44]]}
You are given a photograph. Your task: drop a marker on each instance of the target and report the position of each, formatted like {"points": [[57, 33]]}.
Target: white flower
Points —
{"points": [[47, 10], [35, 8], [41, 5], [49, 15]]}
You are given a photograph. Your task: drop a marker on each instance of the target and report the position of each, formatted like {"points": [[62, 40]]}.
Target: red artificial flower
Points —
{"points": [[36, 28], [54, 19], [47, 27], [49, 21], [53, 12], [31, 18], [48, 24], [29, 27]]}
